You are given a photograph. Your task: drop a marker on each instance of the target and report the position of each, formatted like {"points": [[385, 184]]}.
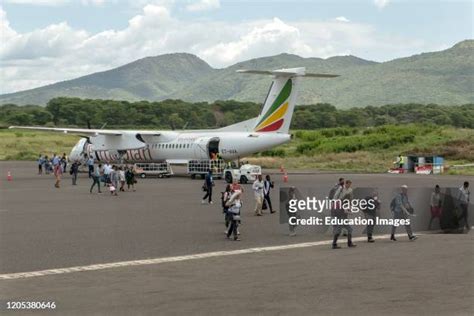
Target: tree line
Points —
{"points": [[178, 114]]}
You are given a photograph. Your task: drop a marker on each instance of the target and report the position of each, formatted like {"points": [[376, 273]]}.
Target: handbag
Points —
{"points": [[204, 187]]}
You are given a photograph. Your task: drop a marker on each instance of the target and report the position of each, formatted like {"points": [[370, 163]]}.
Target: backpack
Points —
{"points": [[224, 200]]}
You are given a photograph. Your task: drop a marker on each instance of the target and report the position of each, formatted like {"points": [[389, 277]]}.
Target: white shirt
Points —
{"points": [[464, 195], [107, 169], [258, 188]]}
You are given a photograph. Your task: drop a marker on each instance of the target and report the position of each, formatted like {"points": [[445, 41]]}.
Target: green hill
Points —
{"points": [[444, 77]]}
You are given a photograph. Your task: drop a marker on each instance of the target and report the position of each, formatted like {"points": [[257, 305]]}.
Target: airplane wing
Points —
{"points": [[85, 131], [291, 72]]}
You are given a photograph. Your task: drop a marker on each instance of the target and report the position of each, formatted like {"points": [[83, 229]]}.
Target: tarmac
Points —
{"points": [[160, 251]]}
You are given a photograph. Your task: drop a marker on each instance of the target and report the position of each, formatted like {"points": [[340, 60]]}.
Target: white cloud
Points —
{"points": [[342, 19], [38, 2], [381, 3], [60, 52], [203, 5]]}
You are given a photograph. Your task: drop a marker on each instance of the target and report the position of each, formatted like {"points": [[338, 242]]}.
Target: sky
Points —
{"points": [[46, 41]]}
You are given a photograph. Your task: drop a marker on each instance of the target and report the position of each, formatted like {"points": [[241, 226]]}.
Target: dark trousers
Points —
{"points": [[266, 197], [91, 170], [233, 228], [74, 178], [464, 213], [370, 227], [208, 194], [96, 181]]}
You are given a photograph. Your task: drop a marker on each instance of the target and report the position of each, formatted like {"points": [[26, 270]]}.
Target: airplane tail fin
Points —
{"points": [[280, 102]]}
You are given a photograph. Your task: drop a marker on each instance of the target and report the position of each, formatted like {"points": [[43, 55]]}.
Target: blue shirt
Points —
{"points": [[56, 161]]}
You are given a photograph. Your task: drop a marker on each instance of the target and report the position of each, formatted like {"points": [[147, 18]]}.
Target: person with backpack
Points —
{"points": [[207, 187], [401, 209], [234, 205], [225, 197]]}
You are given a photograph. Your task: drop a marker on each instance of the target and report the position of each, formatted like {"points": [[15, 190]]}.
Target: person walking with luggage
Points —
{"points": [[234, 205], [267, 186], [401, 209], [207, 186]]}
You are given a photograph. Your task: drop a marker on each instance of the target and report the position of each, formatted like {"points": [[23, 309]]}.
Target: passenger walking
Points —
{"points": [[291, 196], [47, 167], [341, 213], [401, 209], [96, 177], [130, 178], [40, 164], [225, 198], [114, 179], [207, 187], [234, 205], [57, 169], [64, 162], [73, 171], [258, 191], [90, 165], [267, 186], [122, 179], [435, 205], [464, 197], [107, 171]]}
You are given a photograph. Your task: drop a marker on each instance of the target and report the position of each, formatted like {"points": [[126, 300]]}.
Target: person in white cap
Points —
{"points": [[401, 209]]}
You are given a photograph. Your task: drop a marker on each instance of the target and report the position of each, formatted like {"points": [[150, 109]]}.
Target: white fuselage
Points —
{"points": [[176, 146]]}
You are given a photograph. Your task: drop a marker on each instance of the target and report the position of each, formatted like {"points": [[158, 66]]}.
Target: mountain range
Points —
{"points": [[444, 77]]}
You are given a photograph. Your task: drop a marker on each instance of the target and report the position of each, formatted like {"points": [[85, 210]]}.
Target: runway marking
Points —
{"points": [[103, 266]]}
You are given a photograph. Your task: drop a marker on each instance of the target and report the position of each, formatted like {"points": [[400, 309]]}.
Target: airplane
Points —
{"points": [[269, 129]]}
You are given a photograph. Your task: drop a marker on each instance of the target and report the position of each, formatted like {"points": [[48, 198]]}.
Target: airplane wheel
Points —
{"points": [[193, 176], [228, 177], [243, 179]]}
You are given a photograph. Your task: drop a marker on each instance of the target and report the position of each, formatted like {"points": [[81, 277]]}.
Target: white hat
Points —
{"points": [[404, 186]]}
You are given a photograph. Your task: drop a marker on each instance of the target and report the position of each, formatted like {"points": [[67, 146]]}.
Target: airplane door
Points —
{"points": [[204, 146]]}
